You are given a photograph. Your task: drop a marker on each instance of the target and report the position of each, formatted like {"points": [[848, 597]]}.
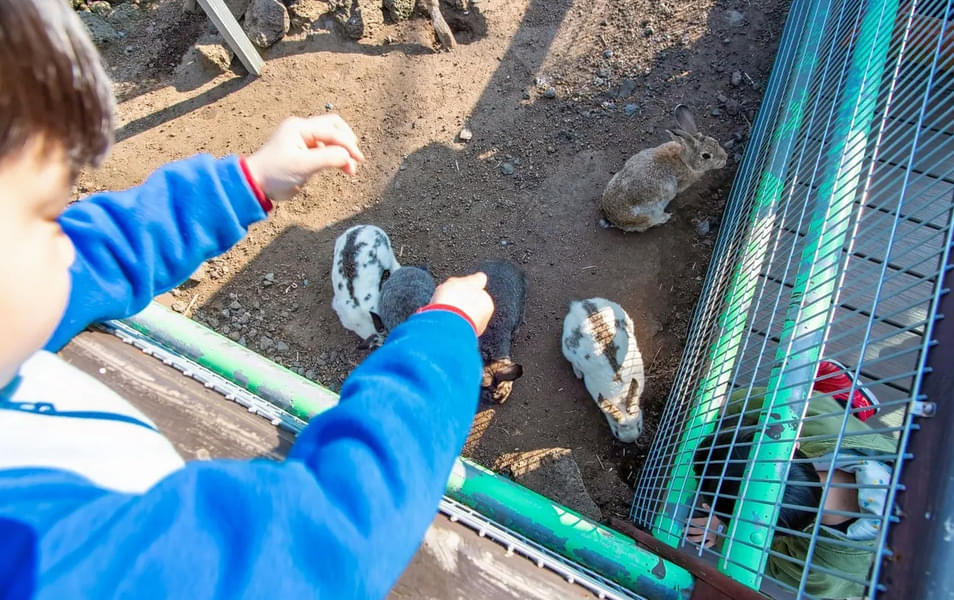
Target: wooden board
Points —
{"points": [[453, 562]]}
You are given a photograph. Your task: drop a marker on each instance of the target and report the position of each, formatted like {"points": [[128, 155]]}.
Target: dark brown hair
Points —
{"points": [[52, 83]]}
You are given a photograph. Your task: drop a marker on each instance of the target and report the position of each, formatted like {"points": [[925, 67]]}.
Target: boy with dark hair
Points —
{"points": [[94, 501], [846, 544]]}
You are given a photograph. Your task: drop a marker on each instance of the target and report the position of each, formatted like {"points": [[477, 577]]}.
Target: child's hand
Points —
{"points": [[697, 533], [467, 294], [298, 149]]}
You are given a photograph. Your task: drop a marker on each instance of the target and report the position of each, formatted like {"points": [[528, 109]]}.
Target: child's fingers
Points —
{"points": [[330, 130], [325, 157]]}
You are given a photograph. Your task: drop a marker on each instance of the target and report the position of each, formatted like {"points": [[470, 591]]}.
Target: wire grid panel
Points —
{"points": [[821, 294]]}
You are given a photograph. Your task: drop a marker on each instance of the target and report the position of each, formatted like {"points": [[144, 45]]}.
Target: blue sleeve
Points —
{"points": [[340, 518], [135, 244]]}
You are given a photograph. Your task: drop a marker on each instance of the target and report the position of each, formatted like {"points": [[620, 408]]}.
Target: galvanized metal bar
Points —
{"points": [[713, 388], [274, 383], [803, 335]]}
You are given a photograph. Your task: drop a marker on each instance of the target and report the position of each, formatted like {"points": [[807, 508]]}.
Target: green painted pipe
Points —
{"points": [[813, 298], [585, 542], [733, 322], [598, 548], [276, 384]]}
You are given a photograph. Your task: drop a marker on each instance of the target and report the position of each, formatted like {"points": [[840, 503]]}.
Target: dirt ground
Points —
{"points": [[617, 68]]}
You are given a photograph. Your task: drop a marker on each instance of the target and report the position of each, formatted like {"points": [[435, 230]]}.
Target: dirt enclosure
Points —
{"points": [[526, 186]]}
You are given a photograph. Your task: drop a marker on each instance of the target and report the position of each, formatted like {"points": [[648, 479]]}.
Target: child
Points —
{"points": [[845, 544], [94, 502]]}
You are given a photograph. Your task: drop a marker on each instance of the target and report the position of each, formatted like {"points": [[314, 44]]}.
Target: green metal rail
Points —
{"points": [[812, 300], [561, 530]]}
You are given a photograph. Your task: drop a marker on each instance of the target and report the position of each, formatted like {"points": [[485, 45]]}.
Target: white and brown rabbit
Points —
{"points": [[363, 261], [636, 197], [599, 342]]}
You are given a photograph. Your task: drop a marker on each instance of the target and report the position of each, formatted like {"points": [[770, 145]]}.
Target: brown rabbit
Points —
{"points": [[636, 197]]}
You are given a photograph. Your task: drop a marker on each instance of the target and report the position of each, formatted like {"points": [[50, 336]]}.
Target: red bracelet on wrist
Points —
{"points": [[452, 309], [256, 188]]}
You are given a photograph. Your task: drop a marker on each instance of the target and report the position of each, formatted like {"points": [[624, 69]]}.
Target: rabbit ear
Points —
{"points": [[687, 139], [684, 119]]}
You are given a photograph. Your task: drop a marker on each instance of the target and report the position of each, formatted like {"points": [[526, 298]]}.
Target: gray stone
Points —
{"points": [[550, 93], [310, 373], [235, 336], [630, 109], [627, 88], [553, 473], [736, 78], [715, 112], [465, 135], [266, 22], [400, 10], [734, 18], [265, 343], [607, 53], [507, 168], [703, 227], [604, 73], [281, 347], [101, 32], [236, 305]]}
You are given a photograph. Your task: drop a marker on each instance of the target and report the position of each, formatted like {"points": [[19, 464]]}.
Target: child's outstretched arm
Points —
{"points": [[135, 244], [340, 518]]}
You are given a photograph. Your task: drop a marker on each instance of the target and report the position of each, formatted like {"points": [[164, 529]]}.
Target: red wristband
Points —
{"points": [[452, 309], [256, 189]]}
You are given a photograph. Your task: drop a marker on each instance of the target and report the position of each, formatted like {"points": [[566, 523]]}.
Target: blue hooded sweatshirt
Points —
{"points": [[94, 503]]}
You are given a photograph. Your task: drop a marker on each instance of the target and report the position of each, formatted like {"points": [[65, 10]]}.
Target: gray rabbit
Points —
{"points": [[636, 197], [405, 291], [507, 286]]}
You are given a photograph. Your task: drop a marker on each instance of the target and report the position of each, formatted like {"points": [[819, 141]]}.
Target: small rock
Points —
{"points": [[310, 374], [734, 18], [100, 8], [550, 93], [604, 73], [265, 343], [179, 306], [608, 105], [281, 347], [703, 227], [302, 13], [266, 22], [243, 341], [736, 78], [225, 313], [329, 106], [124, 16], [721, 98], [101, 32], [732, 107], [607, 53], [236, 305], [551, 149], [399, 10], [236, 336], [270, 277], [526, 94], [648, 31], [630, 109], [715, 112], [507, 168], [465, 135], [627, 88]]}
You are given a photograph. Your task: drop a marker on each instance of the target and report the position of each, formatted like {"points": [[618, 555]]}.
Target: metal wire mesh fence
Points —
{"points": [[784, 434]]}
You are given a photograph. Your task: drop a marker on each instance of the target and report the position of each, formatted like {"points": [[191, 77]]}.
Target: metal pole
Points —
{"points": [[733, 322], [813, 298]]}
